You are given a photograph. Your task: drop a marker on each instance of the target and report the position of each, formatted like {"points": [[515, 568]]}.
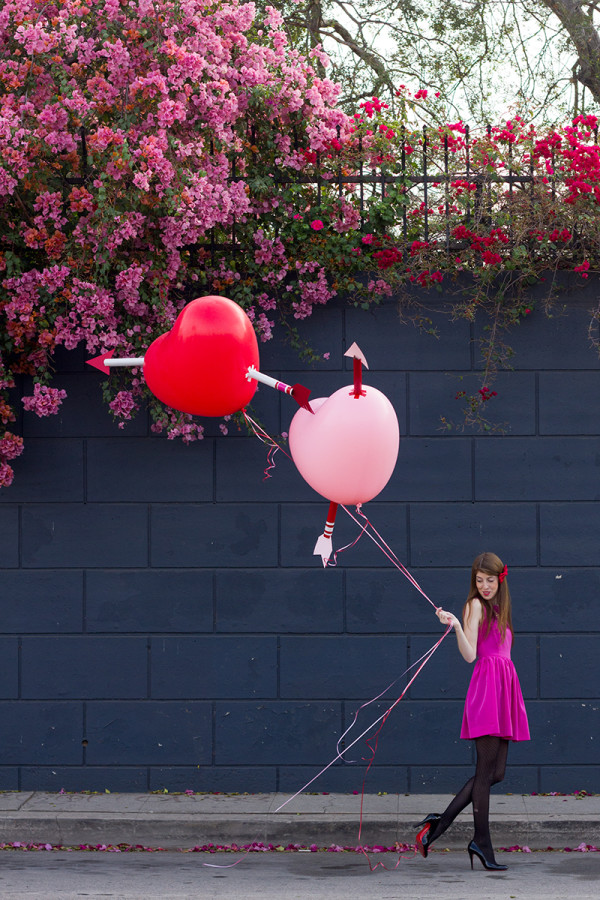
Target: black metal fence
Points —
{"points": [[423, 179]]}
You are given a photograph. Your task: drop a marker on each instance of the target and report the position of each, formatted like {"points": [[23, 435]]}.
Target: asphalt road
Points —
{"points": [[294, 876]]}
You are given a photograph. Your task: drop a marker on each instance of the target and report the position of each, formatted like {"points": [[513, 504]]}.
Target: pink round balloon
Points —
{"points": [[347, 450]]}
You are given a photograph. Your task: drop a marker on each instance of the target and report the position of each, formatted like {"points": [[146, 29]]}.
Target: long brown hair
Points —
{"points": [[490, 564]]}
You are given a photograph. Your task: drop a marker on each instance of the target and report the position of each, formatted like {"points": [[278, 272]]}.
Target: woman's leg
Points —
{"points": [[491, 764]]}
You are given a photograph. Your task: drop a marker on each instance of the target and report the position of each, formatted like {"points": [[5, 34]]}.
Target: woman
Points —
{"points": [[494, 711]]}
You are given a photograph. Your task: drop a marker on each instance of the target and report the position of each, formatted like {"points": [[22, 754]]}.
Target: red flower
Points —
{"points": [[388, 257], [583, 268], [491, 258], [317, 225]]}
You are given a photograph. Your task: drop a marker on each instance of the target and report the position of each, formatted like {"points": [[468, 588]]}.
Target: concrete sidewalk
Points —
{"points": [[181, 821]]}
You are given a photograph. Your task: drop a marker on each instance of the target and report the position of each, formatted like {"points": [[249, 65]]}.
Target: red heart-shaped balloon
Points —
{"points": [[200, 365]]}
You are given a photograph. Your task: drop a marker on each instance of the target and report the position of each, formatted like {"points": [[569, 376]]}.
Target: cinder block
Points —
{"points": [[48, 470], [432, 469], [569, 534], [569, 403], [558, 341], [71, 360], [450, 779], [146, 600], [9, 778], [84, 778], [554, 599], [322, 331], [569, 778], [84, 667], [386, 601], [9, 668], [280, 600], [301, 525], [208, 535], [244, 473], [148, 733], [390, 342], [524, 654], [41, 601], [342, 666], [276, 732], [453, 534], [214, 667], [41, 733], [543, 469], [562, 731], [440, 779], [260, 537], [517, 780], [9, 536], [445, 676], [242, 779], [570, 666], [91, 535], [423, 730], [346, 779], [433, 398], [149, 470], [83, 413]]}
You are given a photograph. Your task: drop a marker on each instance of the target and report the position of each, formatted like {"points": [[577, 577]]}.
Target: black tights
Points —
{"points": [[491, 764]]}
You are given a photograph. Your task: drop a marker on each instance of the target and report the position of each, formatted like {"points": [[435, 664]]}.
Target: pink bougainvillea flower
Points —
{"points": [[169, 151], [45, 400]]}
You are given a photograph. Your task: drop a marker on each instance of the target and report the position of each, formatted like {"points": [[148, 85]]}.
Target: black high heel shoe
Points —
{"points": [[422, 839], [486, 863]]}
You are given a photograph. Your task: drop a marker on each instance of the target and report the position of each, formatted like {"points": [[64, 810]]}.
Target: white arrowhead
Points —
{"points": [[356, 353], [323, 548]]}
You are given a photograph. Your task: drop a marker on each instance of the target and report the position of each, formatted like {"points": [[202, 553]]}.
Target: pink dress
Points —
{"points": [[494, 703]]}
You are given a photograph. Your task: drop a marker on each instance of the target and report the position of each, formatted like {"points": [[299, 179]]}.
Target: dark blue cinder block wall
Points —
{"points": [[166, 625]]}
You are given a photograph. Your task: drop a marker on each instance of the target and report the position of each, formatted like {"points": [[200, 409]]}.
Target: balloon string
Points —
{"points": [[428, 654], [387, 551], [333, 562], [262, 435], [339, 756], [228, 865], [421, 662], [372, 742]]}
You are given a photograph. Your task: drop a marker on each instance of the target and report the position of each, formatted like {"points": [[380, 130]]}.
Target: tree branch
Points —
{"points": [[586, 40], [371, 59]]}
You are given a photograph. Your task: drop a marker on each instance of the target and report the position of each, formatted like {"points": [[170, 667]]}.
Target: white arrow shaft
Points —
{"points": [[125, 361], [266, 379]]}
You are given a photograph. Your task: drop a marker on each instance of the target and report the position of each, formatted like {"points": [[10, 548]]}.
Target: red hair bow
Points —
{"points": [[502, 574]]}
